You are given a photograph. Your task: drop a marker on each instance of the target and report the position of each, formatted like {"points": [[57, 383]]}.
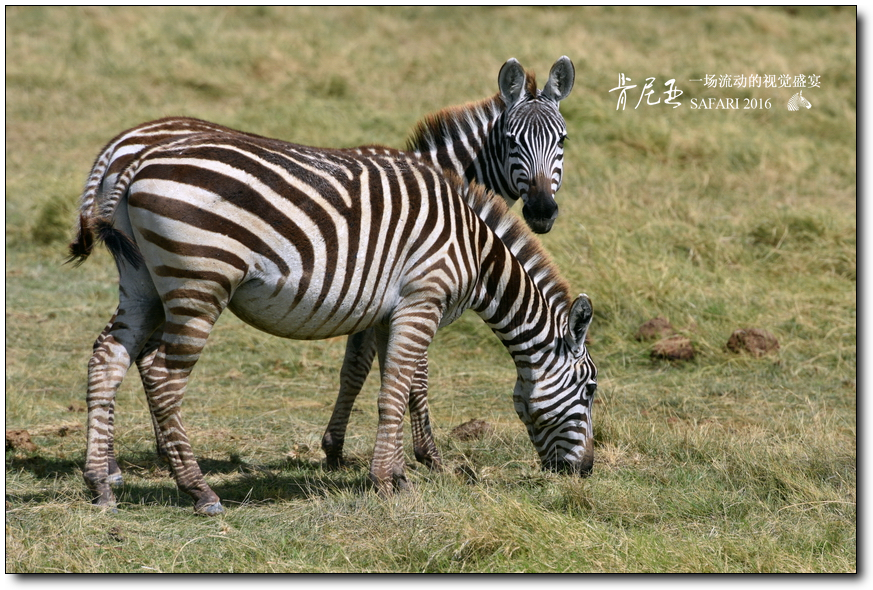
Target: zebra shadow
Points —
{"points": [[46, 471], [240, 483], [148, 480], [44, 467]]}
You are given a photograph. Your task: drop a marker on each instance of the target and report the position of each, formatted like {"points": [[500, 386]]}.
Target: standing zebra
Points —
{"points": [[511, 143], [311, 243]]}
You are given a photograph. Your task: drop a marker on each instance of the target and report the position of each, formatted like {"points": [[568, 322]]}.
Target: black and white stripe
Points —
{"points": [[310, 243]]}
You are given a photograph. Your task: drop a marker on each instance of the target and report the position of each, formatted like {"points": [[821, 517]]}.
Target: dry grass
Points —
{"points": [[715, 220]]}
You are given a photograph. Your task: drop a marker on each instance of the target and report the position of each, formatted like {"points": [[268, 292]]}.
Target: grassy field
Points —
{"points": [[715, 219]]}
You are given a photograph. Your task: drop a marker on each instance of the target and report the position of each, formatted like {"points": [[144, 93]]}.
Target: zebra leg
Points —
{"points": [[401, 347], [113, 352], [113, 471], [143, 362], [165, 382], [423, 444], [360, 351], [115, 478]]}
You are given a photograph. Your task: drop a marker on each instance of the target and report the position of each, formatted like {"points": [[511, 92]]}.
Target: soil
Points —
{"points": [[19, 439]]}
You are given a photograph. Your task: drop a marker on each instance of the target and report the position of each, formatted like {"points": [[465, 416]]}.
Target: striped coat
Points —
{"points": [[310, 243]]}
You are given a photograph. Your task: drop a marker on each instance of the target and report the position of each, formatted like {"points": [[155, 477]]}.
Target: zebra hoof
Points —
{"points": [[401, 484], [335, 463], [106, 506], [431, 460], [213, 509], [102, 497]]}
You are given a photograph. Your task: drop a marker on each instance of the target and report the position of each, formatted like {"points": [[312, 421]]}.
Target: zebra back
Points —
{"points": [[470, 140]]}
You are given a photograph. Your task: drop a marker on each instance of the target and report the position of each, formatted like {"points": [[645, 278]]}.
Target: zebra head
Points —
{"points": [[533, 134], [554, 401]]}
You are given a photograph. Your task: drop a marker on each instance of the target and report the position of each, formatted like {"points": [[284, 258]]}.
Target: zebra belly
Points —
{"points": [[277, 307]]}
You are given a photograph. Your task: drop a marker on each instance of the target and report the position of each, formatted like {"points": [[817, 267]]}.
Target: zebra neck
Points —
{"points": [[516, 309], [463, 139]]}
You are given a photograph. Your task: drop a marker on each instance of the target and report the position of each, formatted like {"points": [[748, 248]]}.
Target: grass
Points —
{"points": [[715, 220]]}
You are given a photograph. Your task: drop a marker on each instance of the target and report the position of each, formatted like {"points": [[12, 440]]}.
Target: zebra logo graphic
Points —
{"points": [[798, 101]]}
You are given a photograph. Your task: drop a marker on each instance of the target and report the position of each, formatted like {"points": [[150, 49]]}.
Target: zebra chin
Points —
{"points": [[581, 467], [539, 225]]}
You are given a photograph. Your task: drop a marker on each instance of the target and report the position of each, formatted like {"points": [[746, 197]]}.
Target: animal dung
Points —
{"points": [[756, 341], [19, 439], [673, 348], [472, 430], [655, 329]]}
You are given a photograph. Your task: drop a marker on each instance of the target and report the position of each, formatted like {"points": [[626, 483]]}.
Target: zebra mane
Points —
{"points": [[442, 123], [520, 240]]}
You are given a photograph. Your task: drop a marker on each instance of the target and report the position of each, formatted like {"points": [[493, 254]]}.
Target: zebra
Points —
{"points": [[310, 243], [797, 101], [511, 143]]}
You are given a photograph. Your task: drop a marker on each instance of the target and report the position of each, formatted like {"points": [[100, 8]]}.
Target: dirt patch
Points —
{"points": [[674, 348], [472, 430], [752, 340], [655, 329], [19, 439]]}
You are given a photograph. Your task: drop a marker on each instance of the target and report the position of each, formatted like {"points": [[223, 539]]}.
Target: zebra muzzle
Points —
{"points": [[540, 213], [582, 467]]}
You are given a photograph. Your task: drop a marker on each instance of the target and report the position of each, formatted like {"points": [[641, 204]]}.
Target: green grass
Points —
{"points": [[716, 220]]}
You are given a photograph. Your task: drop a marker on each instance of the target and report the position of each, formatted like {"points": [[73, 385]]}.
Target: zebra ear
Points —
{"points": [[577, 324], [561, 78], [511, 81]]}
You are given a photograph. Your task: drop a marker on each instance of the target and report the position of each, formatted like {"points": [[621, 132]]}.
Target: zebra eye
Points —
{"points": [[562, 140]]}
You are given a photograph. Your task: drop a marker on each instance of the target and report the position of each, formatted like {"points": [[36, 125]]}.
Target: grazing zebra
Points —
{"points": [[797, 101], [511, 143], [311, 243]]}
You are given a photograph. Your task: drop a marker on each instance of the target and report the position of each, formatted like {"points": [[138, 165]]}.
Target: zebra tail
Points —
{"points": [[119, 243], [97, 216], [81, 247], [95, 223]]}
